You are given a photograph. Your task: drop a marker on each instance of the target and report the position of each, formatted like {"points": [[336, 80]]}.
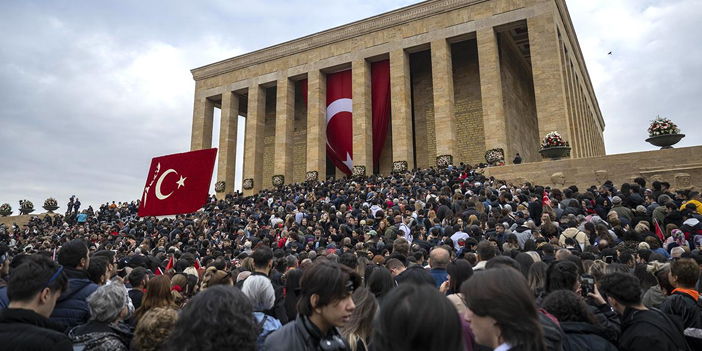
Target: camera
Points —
{"points": [[587, 284]]}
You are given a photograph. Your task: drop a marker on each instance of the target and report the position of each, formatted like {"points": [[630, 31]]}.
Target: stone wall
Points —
{"points": [[682, 168], [470, 134], [299, 137], [269, 138], [519, 104], [423, 102]]}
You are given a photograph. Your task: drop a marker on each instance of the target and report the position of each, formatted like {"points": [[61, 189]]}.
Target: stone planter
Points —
{"points": [[555, 153], [50, 209], [5, 213], [665, 141], [26, 211]]}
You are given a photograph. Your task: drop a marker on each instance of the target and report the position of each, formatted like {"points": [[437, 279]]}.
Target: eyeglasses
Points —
{"points": [[54, 277]]}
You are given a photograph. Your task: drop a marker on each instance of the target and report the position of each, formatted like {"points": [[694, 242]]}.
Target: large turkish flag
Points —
{"points": [[177, 183], [339, 122]]}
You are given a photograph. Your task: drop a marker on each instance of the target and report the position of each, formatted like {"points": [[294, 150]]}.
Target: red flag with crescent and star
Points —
{"points": [[339, 122], [178, 183]]}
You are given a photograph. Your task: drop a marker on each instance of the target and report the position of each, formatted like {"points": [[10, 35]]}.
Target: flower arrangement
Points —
{"points": [[248, 184], [26, 205], [444, 161], [399, 166], [278, 180], [50, 202], [5, 208], [220, 186], [662, 126], [553, 139], [495, 157], [311, 176], [358, 171]]}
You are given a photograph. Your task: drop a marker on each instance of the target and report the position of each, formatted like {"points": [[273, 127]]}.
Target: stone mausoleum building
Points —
{"points": [[466, 76]]}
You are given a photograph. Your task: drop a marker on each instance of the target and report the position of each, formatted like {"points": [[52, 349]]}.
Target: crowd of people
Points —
{"points": [[436, 259]]}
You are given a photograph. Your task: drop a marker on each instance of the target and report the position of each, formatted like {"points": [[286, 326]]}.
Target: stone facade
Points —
{"points": [[466, 76], [680, 167]]}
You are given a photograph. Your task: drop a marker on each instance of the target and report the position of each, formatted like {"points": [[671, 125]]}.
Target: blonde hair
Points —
{"points": [[154, 327], [534, 255], [598, 269]]}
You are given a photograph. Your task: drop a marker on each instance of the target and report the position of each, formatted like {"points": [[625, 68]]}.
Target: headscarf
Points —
{"points": [[678, 237]]}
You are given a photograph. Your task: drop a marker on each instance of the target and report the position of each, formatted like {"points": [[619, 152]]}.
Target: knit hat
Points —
{"points": [[616, 200], [372, 233]]}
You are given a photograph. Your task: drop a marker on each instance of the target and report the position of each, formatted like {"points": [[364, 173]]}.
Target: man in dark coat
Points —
{"points": [[642, 329], [33, 290], [72, 307], [263, 263], [684, 303]]}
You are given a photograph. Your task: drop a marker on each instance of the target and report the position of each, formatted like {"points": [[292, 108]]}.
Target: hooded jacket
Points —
{"points": [[687, 309], [697, 204], [650, 330], [575, 234], [72, 306]]}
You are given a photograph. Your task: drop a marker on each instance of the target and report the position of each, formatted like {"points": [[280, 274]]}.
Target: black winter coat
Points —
{"points": [[683, 307], [301, 335], [650, 330], [584, 336], [26, 330]]}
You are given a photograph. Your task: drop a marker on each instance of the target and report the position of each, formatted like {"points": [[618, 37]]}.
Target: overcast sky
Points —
{"points": [[91, 91]]}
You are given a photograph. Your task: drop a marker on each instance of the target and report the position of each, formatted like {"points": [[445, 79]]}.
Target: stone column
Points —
{"points": [[494, 123], [549, 87], [284, 119], [203, 114], [254, 139], [317, 123], [362, 116], [401, 105], [227, 140], [444, 109]]}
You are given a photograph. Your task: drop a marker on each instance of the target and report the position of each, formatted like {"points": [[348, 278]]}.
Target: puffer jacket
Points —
{"points": [[96, 336], [72, 306], [301, 335], [684, 307], [579, 237], [584, 336]]}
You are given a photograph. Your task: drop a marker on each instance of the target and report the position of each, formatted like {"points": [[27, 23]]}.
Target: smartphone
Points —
{"points": [[609, 259], [587, 284]]}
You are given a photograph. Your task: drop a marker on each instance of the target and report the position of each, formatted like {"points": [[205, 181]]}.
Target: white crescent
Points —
{"points": [[337, 106], [159, 195]]}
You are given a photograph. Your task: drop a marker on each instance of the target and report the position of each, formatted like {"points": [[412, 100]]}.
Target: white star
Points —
{"points": [[181, 182], [348, 162]]}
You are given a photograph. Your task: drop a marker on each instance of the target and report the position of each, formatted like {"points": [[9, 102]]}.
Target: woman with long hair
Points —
{"points": [[292, 293], [358, 329], [380, 282], [502, 312], [158, 294], [458, 272], [213, 277], [537, 280]]}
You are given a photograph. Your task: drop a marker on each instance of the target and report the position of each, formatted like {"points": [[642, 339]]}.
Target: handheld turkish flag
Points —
{"points": [[169, 265], [339, 122], [659, 231], [177, 183]]}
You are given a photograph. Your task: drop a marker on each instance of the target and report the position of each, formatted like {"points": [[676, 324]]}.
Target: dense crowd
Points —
{"points": [[437, 259]]}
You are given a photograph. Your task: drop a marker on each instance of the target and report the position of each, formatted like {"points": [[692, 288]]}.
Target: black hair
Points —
{"points": [[380, 282], [525, 261], [292, 292], [404, 315], [567, 306], [136, 276], [262, 256], [33, 276], [622, 287], [561, 275], [216, 319], [349, 260], [503, 294], [328, 280], [503, 262], [72, 252], [97, 268], [110, 255], [459, 271]]}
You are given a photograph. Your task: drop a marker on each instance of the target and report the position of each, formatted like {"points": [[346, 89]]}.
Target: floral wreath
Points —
{"points": [[248, 184], [399, 166]]}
